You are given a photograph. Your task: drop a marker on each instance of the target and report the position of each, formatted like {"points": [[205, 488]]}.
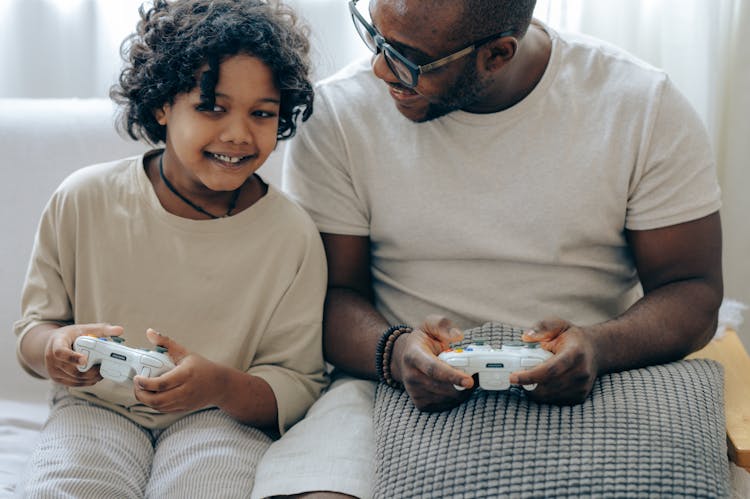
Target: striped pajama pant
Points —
{"points": [[86, 451]]}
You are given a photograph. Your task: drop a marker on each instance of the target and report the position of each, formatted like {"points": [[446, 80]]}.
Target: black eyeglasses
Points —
{"points": [[406, 71]]}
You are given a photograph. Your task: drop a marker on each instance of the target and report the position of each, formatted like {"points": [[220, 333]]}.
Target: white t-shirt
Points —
{"points": [[512, 216], [244, 291]]}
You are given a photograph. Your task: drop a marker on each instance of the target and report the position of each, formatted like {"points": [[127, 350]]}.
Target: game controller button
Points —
{"points": [[161, 349], [118, 339], [459, 350], [150, 361]]}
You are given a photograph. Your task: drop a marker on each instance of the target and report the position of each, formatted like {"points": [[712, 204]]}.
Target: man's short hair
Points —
{"points": [[485, 17]]}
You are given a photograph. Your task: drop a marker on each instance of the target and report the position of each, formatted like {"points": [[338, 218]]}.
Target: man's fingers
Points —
{"points": [[546, 330], [440, 372], [442, 330], [553, 368]]}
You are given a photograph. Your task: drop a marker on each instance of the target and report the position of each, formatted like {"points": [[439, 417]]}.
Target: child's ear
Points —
{"points": [[161, 116]]}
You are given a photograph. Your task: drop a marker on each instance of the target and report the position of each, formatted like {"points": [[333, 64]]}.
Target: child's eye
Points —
{"points": [[264, 114], [209, 109]]}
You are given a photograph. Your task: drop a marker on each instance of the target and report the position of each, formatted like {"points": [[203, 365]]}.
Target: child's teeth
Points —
{"points": [[228, 159]]}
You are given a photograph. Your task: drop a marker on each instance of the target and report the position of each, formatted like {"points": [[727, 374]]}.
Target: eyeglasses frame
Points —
{"points": [[382, 45]]}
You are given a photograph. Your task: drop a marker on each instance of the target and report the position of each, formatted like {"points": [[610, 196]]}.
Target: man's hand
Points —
{"points": [[567, 377], [194, 383], [61, 361], [428, 380]]}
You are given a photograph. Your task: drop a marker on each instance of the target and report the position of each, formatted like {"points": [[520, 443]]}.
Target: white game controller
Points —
{"points": [[495, 365], [118, 362]]}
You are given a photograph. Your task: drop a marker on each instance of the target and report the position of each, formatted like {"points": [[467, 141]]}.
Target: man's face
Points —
{"points": [[423, 34]]}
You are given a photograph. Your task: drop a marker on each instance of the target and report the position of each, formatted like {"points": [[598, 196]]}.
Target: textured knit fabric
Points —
{"points": [[244, 291], [510, 216], [652, 432], [87, 451]]}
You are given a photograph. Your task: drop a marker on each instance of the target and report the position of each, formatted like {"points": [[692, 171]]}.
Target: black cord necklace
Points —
{"points": [[232, 202]]}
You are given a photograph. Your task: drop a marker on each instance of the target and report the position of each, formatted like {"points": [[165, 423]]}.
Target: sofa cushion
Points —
{"points": [[657, 431]]}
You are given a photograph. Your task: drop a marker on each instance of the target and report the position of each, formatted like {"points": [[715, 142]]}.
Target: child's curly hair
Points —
{"points": [[174, 39]]}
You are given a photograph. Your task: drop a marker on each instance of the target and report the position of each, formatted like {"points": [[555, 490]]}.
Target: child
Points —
{"points": [[190, 241]]}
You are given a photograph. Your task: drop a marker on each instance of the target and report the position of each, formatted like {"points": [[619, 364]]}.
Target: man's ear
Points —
{"points": [[497, 53]]}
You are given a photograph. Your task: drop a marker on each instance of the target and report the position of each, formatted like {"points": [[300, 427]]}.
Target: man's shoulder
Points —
{"points": [[600, 56], [286, 207], [357, 69], [351, 84]]}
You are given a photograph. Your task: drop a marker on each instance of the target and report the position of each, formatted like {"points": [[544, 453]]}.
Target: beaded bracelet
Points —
{"points": [[383, 354]]}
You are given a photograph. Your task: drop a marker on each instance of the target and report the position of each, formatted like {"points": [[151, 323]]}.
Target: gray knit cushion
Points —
{"points": [[652, 432]]}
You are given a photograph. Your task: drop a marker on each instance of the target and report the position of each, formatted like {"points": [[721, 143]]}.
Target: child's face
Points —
{"points": [[220, 148]]}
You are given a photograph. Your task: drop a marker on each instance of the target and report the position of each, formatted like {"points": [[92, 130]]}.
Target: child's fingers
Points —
{"points": [[165, 382], [99, 330], [175, 351]]}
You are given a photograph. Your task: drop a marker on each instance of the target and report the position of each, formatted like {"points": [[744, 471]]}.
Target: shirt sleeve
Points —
{"points": [[290, 355], [45, 297], [675, 179], [317, 173]]}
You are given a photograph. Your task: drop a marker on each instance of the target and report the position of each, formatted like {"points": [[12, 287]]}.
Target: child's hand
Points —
{"points": [[62, 362], [195, 383]]}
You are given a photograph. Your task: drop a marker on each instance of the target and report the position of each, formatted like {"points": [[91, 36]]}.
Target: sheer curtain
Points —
{"points": [[69, 48]]}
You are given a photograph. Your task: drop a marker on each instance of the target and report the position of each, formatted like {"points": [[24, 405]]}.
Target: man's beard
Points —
{"points": [[464, 92]]}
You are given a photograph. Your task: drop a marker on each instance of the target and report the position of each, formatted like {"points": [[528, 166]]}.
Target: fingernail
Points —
{"points": [[532, 332], [466, 383]]}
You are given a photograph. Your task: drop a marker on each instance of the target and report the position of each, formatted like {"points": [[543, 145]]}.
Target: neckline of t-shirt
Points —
{"points": [[527, 102], [216, 226]]}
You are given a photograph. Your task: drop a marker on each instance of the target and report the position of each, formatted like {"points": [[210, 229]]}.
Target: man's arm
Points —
{"points": [[680, 271], [351, 325], [352, 328], [681, 274]]}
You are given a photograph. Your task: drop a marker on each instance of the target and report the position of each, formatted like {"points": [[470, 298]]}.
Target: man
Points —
{"points": [[484, 168]]}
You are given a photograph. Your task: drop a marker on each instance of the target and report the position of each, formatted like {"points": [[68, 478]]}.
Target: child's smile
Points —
{"points": [[227, 158], [212, 149]]}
